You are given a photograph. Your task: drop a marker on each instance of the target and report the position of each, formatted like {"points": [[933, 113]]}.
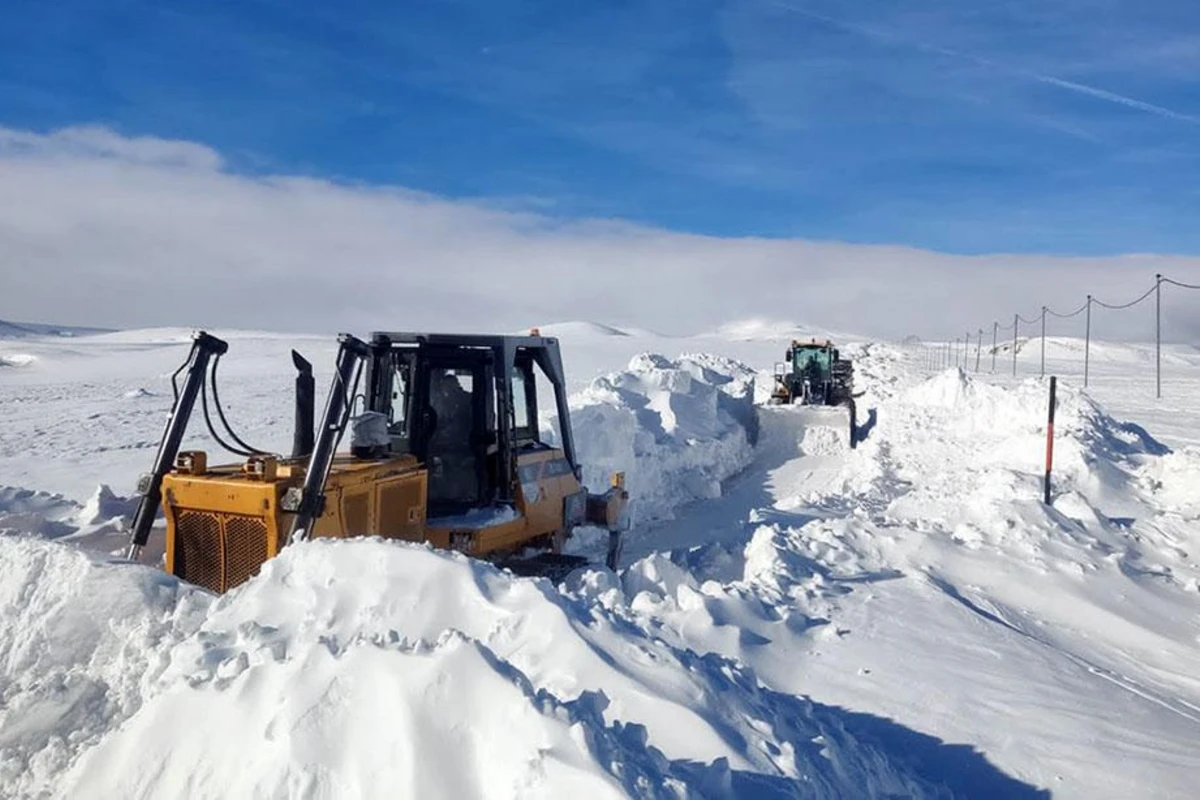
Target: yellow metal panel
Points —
{"points": [[400, 506]]}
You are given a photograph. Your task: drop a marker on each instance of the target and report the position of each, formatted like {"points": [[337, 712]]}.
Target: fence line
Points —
{"points": [[943, 356]]}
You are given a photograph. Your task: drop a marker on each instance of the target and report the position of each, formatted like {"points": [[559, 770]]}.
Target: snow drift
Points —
{"points": [[351, 669]]}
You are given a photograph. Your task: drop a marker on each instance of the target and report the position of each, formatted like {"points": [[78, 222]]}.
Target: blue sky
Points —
{"points": [[968, 127]]}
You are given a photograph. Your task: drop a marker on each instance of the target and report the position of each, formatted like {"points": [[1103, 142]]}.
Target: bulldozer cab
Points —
{"points": [[467, 408]]}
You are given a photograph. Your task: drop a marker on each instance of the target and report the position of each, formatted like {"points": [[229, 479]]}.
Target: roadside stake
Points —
{"points": [[1050, 435]]}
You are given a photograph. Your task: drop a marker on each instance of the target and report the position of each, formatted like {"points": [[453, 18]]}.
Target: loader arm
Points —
{"points": [[204, 347], [311, 500]]}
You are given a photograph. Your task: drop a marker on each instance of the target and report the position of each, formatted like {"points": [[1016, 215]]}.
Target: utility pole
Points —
{"points": [[1016, 320], [979, 351], [995, 330], [1043, 341], [1087, 341], [1158, 335]]}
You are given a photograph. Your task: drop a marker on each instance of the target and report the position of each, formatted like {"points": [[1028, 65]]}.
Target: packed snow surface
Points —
{"points": [[793, 618]]}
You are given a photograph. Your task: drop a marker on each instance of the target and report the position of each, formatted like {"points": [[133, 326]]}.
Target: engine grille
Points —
{"points": [[198, 549], [245, 548], [218, 551]]}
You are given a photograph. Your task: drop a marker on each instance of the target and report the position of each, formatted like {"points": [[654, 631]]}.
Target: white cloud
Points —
{"points": [[93, 141], [96, 228]]}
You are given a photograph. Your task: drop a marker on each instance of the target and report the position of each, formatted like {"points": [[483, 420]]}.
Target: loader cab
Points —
{"points": [[813, 358], [467, 407]]}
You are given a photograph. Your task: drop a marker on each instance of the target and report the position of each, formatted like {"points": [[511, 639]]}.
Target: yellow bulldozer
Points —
{"points": [[445, 449]]}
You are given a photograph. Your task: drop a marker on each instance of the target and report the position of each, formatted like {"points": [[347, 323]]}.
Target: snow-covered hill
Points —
{"points": [[793, 618], [15, 330]]}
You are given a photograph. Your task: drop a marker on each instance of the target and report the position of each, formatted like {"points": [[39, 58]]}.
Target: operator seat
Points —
{"points": [[453, 474]]}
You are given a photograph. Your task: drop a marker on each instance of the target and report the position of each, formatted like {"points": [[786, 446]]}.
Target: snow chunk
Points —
{"points": [[104, 508], [100, 524], [677, 428], [16, 360], [42, 513]]}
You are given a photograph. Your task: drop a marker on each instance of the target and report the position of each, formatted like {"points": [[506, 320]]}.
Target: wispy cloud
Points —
{"points": [[928, 47], [103, 229], [1101, 94]]}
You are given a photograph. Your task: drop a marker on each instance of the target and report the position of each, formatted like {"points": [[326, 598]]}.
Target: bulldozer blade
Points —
{"points": [[829, 426], [555, 566]]}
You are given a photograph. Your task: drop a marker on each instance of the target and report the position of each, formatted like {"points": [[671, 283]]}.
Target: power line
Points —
{"points": [[1156, 290], [1149, 292], [1074, 313], [1179, 284]]}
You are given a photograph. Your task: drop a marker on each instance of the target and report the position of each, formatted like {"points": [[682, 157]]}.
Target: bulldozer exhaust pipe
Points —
{"points": [[306, 394]]}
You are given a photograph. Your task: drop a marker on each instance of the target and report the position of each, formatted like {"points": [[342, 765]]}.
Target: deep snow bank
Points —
{"points": [[354, 669], [677, 428], [1095, 454], [966, 457], [80, 644]]}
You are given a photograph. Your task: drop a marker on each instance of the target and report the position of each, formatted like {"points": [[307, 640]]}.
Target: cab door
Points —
{"points": [[452, 428]]}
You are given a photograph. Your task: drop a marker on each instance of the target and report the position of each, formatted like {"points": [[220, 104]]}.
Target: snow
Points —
{"points": [[17, 360], [575, 329], [677, 428], [15, 330], [345, 669], [757, 329], [477, 518], [791, 618]]}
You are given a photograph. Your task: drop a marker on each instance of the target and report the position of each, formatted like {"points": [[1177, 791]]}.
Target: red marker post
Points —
{"points": [[1050, 435]]}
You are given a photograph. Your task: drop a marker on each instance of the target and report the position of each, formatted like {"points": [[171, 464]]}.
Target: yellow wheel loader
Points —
{"points": [[445, 449]]}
